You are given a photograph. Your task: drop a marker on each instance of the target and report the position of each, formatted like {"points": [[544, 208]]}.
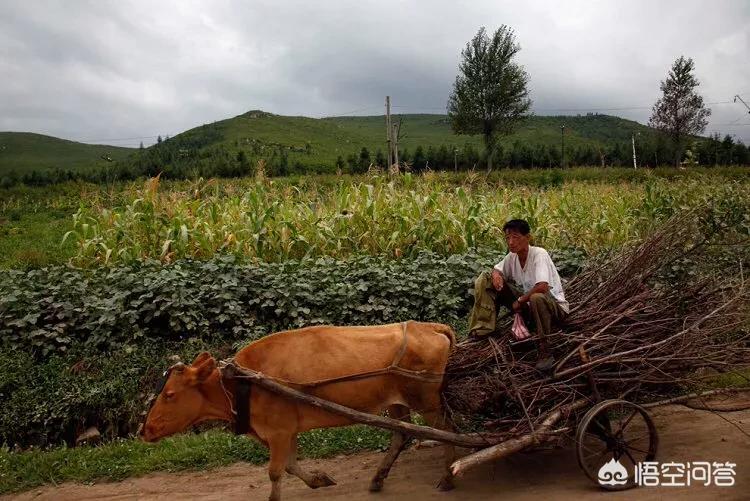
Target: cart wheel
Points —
{"points": [[615, 431]]}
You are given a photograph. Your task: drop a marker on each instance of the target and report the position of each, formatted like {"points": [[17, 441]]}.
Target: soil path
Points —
{"points": [[685, 435]]}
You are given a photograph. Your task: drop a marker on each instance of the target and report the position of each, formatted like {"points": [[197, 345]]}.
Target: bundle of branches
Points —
{"points": [[642, 324]]}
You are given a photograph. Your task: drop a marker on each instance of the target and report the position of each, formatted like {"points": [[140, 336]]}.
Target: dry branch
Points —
{"points": [[515, 444], [646, 330]]}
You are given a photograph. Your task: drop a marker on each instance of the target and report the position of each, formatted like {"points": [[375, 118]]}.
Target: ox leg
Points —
{"points": [[398, 443], [279, 446], [313, 478], [439, 420]]}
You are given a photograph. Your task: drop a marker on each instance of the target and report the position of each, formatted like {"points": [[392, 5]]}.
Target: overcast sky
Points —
{"points": [[119, 72]]}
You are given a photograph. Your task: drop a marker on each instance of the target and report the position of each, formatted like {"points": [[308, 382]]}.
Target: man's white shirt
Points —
{"points": [[539, 268]]}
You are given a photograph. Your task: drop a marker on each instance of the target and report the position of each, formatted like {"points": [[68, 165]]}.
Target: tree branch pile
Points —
{"points": [[652, 320]]}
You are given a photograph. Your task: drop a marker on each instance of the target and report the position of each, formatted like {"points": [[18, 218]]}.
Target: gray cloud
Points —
{"points": [[112, 69]]}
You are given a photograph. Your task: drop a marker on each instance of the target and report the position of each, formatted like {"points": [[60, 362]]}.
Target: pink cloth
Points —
{"points": [[519, 330]]}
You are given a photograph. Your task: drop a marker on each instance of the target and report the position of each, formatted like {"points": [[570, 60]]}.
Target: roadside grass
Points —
{"points": [[127, 458]]}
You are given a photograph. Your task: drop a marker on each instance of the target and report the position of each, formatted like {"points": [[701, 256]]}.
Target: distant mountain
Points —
{"points": [[25, 151], [301, 144]]}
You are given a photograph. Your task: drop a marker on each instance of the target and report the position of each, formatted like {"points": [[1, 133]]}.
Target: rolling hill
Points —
{"points": [[318, 143], [26, 151], [300, 144], [330, 137]]}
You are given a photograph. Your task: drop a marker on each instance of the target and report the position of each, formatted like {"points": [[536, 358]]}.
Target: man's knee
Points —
{"points": [[537, 299]]}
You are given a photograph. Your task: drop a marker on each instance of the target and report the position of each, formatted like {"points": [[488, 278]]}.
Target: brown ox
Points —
{"points": [[198, 392]]}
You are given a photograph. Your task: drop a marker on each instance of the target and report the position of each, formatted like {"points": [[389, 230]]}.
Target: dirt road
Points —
{"points": [[685, 435]]}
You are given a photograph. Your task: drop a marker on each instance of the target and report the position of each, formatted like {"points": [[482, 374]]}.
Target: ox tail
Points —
{"points": [[447, 331]]}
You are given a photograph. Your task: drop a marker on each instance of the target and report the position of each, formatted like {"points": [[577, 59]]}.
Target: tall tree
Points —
{"points": [[490, 95], [680, 113]]}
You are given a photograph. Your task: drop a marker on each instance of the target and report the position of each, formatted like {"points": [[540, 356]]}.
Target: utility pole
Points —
{"points": [[632, 138], [388, 131], [562, 141], [394, 135], [455, 159]]}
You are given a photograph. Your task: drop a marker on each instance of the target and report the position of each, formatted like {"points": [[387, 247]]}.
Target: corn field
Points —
{"points": [[265, 220]]}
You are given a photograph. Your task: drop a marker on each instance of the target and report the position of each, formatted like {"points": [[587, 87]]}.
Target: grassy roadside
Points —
{"points": [[126, 458]]}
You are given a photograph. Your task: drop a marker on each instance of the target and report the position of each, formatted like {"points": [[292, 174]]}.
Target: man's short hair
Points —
{"points": [[519, 225]]}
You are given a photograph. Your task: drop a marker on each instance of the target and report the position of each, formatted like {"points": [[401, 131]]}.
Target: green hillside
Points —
{"points": [[301, 144], [435, 130], [25, 151], [334, 136]]}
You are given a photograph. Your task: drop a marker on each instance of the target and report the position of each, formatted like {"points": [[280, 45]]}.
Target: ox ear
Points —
{"points": [[200, 358], [203, 370]]}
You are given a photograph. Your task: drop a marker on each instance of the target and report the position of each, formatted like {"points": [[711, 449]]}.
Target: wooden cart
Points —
{"points": [[602, 431]]}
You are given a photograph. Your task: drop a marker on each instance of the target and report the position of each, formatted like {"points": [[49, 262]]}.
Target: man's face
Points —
{"points": [[516, 241]]}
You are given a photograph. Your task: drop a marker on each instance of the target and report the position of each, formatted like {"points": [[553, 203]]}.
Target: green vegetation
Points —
{"points": [[300, 145], [95, 339], [680, 112], [34, 220], [490, 95], [125, 458], [53, 310], [401, 216], [289, 145], [84, 347], [25, 152]]}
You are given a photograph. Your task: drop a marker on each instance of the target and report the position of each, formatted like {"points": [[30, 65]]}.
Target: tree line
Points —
{"points": [[176, 159], [651, 152]]}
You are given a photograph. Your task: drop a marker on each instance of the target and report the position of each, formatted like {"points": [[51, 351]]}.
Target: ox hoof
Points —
{"points": [[376, 485], [445, 484], [321, 479]]}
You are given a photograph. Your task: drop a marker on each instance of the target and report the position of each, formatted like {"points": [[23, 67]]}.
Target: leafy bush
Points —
{"points": [[53, 309], [46, 402]]}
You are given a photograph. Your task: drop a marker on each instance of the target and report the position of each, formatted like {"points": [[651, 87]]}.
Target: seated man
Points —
{"points": [[540, 298]]}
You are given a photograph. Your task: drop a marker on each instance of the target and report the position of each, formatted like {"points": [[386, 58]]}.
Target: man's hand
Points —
{"points": [[516, 306], [497, 279]]}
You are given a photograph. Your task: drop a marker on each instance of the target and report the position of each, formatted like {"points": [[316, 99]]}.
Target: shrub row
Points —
{"points": [[54, 309]]}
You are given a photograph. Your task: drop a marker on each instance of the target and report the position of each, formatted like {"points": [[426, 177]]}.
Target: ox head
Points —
{"points": [[182, 400]]}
